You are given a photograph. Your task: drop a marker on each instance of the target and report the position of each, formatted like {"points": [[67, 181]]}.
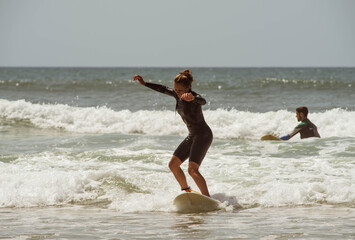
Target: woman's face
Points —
{"points": [[180, 89]]}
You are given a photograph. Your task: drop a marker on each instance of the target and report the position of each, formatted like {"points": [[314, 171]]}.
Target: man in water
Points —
{"points": [[306, 128]]}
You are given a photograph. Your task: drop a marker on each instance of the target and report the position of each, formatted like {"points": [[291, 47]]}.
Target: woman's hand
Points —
{"points": [[187, 97], [139, 78]]}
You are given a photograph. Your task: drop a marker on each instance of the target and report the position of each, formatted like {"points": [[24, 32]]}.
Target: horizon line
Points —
{"points": [[177, 66]]}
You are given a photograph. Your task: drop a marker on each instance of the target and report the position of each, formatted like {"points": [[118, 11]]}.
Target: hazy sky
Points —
{"points": [[194, 33]]}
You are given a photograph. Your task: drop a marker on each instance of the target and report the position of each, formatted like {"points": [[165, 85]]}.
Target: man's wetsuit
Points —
{"points": [[196, 144], [306, 128]]}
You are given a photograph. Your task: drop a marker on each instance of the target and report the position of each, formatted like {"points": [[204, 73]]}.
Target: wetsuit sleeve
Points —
{"points": [[296, 130], [198, 99], [286, 137], [160, 88]]}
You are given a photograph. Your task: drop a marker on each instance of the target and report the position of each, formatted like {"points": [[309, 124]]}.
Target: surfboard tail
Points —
{"points": [[195, 202]]}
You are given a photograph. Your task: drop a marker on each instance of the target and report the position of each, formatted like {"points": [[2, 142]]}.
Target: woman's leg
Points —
{"points": [[174, 166], [198, 178], [199, 148]]}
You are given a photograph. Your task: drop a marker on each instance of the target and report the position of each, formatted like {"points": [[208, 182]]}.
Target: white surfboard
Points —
{"points": [[194, 202]]}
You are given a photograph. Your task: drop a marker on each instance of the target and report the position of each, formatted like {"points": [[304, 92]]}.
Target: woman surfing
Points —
{"points": [[195, 145]]}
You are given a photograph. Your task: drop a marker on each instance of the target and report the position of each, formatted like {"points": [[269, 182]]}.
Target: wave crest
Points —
{"points": [[224, 123]]}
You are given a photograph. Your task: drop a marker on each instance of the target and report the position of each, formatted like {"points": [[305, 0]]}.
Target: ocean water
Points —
{"points": [[84, 154]]}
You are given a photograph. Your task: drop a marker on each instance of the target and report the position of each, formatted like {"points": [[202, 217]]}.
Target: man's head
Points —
{"points": [[301, 113]]}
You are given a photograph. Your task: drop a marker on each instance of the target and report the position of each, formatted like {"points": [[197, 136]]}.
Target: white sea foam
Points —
{"points": [[224, 123], [135, 177], [47, 179], [131, 180]]}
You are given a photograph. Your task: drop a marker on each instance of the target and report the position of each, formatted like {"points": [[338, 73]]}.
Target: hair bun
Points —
{"points": [[186, 72], [184, 77]]}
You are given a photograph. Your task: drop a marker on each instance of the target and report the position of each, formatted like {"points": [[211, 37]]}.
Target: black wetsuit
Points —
{"points": [[306, 129], [196, 144]]}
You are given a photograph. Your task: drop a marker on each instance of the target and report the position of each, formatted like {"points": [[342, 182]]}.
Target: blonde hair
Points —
{"points": [[184, 78]]}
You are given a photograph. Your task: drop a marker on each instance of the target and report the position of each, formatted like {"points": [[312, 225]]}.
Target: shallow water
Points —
{"points": [[77, 222]]}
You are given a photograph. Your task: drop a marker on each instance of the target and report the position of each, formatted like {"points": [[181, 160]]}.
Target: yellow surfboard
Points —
{"points": [[190, 202], [270, 137]]}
